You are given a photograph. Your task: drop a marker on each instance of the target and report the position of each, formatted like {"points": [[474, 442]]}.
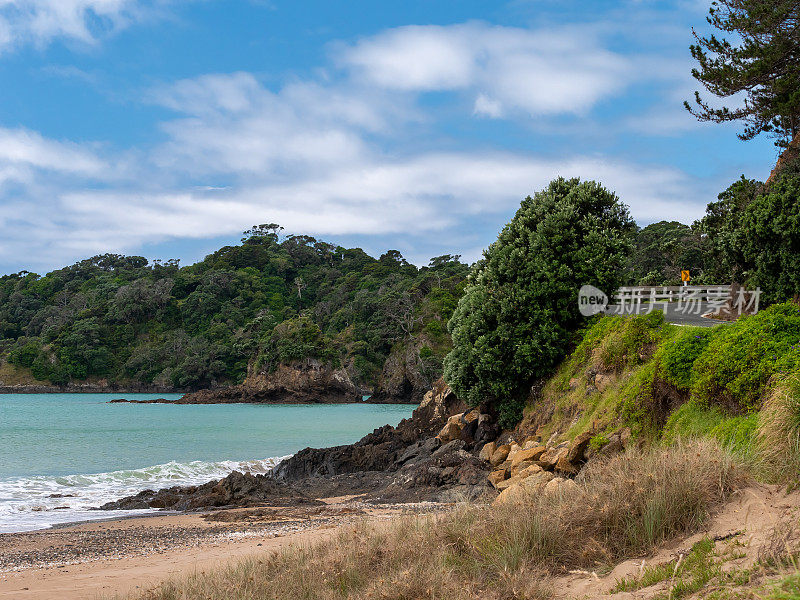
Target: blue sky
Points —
{"points": [[165, 128]]}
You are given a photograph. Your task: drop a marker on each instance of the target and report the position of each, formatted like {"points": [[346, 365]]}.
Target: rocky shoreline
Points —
{"points": [[443, 453]]}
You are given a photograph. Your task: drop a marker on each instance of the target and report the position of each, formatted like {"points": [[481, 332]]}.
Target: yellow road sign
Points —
{"points": [[685, 276]]}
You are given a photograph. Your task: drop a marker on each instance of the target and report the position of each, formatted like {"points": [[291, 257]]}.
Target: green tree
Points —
{"points": [[662, 250], [513, 323], [770, 237], [763, 66], [721, 228]]}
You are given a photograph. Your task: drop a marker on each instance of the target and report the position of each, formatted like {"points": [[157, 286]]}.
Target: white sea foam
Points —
{"points": [[29, 503]]}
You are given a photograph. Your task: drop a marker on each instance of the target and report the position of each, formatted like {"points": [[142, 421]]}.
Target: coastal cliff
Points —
{"points": [[306, 382]]}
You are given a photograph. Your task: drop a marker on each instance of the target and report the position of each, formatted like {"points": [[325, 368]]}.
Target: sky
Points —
{"points": [[164, 128]]}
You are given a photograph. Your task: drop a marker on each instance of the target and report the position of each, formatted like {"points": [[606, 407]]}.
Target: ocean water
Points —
{"points": [[63, 454]]}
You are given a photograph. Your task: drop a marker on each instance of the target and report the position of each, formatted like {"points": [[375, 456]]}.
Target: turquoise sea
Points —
{"points": [[63, 454]]}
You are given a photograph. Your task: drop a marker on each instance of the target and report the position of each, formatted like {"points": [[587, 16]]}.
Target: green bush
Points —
{"points": [[520, 308], [740, 359], [676, 357], [628, 337], [25, 355], [296, 340]]}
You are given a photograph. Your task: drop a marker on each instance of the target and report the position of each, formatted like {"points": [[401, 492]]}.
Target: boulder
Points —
{"points": [[451, 431], [532, 443], [470, 416], [518, 476], [515, 447], [550, 458], [528, 471], [521, 466], [487, 451], [495, 477], [577, 449], [500, 454], [520, 491], [552, 485], [530, 454], [565, 467], [487, 429], [567, 488]]}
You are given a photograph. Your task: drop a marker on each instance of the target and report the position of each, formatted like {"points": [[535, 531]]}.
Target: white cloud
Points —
{"points": [[232, 124], [27, 159], [425, 198], [540, 72], [487, 107], [39, 22], [350, 152]]}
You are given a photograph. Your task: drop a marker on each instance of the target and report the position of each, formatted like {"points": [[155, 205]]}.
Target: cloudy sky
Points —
{"points": [[165, 128]]}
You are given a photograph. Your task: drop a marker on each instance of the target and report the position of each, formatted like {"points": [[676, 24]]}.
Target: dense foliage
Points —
{"points": [[762, 65], [265, 302], [662, 250], [514, 321], [769, 232]]}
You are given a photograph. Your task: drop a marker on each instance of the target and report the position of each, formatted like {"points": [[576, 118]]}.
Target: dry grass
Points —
{"points": [[779, 433], [624, 506]]}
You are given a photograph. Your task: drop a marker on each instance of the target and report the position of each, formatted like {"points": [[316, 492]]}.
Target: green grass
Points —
{"points": [[690, 574], [695, 420], [787, 588]]}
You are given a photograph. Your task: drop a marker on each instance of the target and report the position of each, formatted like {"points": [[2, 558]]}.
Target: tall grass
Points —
{"points": [[778, 442], [622, 507]]}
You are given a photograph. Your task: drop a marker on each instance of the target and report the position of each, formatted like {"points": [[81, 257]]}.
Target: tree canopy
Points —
{"points": [[520, 305], [262, 303], [762, 64]]}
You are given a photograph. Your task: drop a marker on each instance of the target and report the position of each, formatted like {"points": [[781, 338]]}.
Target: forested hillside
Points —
{"points": [[265, 302]]}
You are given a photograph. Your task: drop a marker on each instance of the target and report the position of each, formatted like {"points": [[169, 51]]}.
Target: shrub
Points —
{"points": [[25, 355], [740, 359], [625, 341], [676, 357], [519, 309]]}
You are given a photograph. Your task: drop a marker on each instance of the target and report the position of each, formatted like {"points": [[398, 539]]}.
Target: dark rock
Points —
{"points": [[156, 401], [381, 450], [304, 382], [237, 489], [487, 429]]}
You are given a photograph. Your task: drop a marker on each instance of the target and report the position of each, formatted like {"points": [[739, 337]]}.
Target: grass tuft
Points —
{"points": [[624, 506]]}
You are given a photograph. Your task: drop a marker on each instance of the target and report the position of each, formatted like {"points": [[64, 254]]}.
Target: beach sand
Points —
{"points": [[94, 560]]}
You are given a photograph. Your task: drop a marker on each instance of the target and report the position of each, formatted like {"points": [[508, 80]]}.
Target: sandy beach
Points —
{"points": [[101, 559]]}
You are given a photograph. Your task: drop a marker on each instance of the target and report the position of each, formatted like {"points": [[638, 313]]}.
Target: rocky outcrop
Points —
{"points": [[790, 157], [153, 401], [309, 382], [379, 450], [235, 490], [407, 463], [528, 466], [403, 379]]}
